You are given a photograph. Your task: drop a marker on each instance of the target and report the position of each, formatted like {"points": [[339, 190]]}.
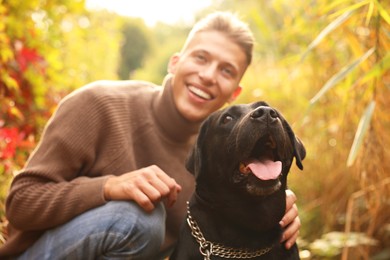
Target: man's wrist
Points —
{"points": [[106, 189]]}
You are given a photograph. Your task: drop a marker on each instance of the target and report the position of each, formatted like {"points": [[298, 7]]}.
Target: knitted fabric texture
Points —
{"points": [[102, 129]]}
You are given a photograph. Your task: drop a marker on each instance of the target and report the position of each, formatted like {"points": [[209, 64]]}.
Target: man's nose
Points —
{"points": [[208, 73]]}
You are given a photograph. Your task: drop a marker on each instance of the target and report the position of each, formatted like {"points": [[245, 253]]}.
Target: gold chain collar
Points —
{"points": [[208, 248]]}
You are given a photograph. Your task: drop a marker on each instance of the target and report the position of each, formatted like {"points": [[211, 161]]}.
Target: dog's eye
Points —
{"points": [[226, 119]]}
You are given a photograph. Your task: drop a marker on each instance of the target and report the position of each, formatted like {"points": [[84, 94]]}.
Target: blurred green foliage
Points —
{"points": [[135, 45], [323, 64]]}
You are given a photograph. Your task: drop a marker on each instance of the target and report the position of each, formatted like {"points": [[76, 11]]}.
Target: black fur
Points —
{"points": [[235, 209]]}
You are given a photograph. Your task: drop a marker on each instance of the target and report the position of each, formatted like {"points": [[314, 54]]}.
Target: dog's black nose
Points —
{"points": [[263, 112]]}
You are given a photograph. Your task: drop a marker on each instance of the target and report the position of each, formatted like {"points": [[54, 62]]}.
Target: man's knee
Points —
{"points": [[142, 232], [114, 230]]}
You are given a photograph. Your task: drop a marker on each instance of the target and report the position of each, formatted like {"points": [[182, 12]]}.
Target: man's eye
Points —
{"points": [[227, 71], [200, 57], [226, 119]]}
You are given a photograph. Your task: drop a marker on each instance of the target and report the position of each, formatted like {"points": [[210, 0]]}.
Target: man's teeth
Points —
{"points": [[199, 92]]}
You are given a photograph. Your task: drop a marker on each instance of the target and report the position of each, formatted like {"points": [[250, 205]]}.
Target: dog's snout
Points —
{"points": [[263, 112]]}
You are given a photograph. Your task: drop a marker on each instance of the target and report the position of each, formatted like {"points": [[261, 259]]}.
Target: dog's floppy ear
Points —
{"points": [[299, 152], [299, 148], [194, 159]]}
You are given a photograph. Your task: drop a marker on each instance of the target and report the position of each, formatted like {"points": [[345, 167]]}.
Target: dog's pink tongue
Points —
{"points": [[266, 169]]}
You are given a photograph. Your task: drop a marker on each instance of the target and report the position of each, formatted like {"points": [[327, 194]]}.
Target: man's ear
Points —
{"points": [[172, 63], [235, 94]]}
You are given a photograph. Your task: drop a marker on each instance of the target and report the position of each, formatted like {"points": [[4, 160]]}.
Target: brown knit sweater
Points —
{"points": [[105, 128]]}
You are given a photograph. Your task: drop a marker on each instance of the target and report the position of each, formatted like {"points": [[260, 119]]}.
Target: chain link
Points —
{"points": [[208, 248]]}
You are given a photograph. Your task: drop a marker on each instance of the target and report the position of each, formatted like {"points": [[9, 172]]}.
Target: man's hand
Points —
{"points": [[290, 222], [145, 186]]}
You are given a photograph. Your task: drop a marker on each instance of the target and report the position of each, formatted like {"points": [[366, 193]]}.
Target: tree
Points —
{"points": [[29, 32], [135, 46], [47, 50], [166, 41]]}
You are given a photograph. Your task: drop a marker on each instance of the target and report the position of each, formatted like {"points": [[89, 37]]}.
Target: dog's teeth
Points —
{"points": [[244, 169]]}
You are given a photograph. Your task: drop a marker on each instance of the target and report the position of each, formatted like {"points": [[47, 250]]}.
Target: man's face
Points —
{"points": [[206, 74]]}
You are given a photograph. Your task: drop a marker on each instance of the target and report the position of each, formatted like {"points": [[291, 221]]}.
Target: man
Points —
{"points": [[107, 179]]}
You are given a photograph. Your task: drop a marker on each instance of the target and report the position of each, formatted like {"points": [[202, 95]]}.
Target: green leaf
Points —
{"points": [[340, 75], [10, 82], [360, 133], [332, 26], [369, 13], [378, 70], [351, 7], [385, 15]]}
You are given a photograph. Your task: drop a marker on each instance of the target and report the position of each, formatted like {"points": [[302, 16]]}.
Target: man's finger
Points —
{"points": [[291, 232], [291, 241], [290, 216], [172, 197], [290, 199], [143, 201]]}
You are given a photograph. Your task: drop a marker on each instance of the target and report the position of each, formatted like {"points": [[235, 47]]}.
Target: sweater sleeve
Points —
{"points": [[64, 175]]}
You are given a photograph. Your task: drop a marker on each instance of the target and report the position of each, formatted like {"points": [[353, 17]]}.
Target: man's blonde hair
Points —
{"points": [[229, 24]]}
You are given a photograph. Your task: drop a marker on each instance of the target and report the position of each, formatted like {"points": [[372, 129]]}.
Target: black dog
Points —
{"points": [[240, 161]]}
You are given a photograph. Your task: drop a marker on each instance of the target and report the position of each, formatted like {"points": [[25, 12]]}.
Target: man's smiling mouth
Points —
{"points": [[200, 93]]}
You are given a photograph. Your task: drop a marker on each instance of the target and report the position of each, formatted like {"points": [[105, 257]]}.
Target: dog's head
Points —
{"points": [[248, 147]]}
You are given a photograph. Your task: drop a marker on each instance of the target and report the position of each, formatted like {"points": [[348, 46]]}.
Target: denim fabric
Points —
{"points": [[117, 230]]}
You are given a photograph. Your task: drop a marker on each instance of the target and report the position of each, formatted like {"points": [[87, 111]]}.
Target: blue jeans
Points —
{"points": [[116, 230]]}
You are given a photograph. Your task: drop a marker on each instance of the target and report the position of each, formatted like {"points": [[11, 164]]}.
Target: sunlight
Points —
{"points": [[153, 11]]}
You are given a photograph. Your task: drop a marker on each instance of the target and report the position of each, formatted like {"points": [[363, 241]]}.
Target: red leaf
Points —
{"points": [[10, 139]]}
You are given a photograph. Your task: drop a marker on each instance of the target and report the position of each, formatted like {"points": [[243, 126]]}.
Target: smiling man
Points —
{"points": [[207, 74], [107, 179]]}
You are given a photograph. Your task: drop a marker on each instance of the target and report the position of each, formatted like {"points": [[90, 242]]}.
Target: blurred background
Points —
{"points": [[323, 63]]}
